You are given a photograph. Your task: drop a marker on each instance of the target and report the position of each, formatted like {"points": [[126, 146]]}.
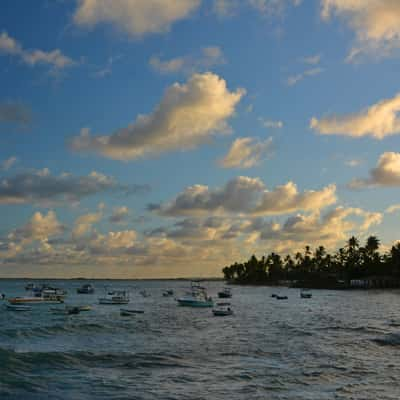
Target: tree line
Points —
{"points": [[318, 268]]}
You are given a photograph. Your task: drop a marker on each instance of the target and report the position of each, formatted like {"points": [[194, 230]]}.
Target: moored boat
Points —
{"points": [[305, 294], [278, 297], [222, 310], [225, 293], [129, 312], [87, 288], [49, 296], [168, 293], [115, 297], [196, 297]]}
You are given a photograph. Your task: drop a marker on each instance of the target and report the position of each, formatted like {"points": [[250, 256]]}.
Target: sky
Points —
{"points": [[156, 139]]}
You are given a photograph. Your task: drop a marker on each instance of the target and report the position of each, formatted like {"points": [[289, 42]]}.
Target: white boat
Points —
{"points": [[196, 297], [222, 310], [226, 293], [115, 297], [129, 312], [305, 294], [49, 296], [13, 307]]}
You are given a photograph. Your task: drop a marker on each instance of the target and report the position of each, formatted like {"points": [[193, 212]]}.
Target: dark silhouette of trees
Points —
{"points": [[318, 268]]}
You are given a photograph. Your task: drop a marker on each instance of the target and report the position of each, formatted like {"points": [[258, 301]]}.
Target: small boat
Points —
{"points": [[69, 310], [127, 312], [168, 293], [49, 296], [196, 297], [225, 293], [274, 295], [281, 297], [222, 310], [13, 307], [305, 294], [87, 288], [115, 297], [85, 308]]}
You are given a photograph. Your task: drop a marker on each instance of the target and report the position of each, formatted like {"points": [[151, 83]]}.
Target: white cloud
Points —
{"points": [[247, 196], [294, 79], [246, 153], [269, 123], [188, 115], [208, 57], [386, 173], [379, 120], [84, 223], [376, 24], [353, 163], [136, 17], [8, 163], [393, 208], [119, 215], [55, 58]]}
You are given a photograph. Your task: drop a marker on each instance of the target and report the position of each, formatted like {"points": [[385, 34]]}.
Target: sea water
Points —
{"points": [[337, 345]]}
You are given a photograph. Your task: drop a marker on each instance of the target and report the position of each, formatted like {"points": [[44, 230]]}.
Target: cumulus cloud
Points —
{"points": [[55, 58], [136, 17], [5, 165], [393, 208], [84, 223], [379, 120], [208, 57], [15, 113], [119, 215], [188, 115], [386, 173], [376, 24], [244, 195], [246, 153], [42, 187], [269, 123]]}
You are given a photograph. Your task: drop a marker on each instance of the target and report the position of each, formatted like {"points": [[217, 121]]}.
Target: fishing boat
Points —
{"points": [[305, 294], [87, 288], [196, 297], [222, 310], [127, 312], [12, 307], [115, 297], [225, 293], [168, 293], [49, 296]]}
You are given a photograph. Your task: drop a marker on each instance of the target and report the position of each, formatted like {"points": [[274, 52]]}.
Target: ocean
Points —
{"points": [[337, 345]]}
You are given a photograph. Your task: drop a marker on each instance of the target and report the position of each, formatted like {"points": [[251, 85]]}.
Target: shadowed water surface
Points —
{"points": [[337, 345]]}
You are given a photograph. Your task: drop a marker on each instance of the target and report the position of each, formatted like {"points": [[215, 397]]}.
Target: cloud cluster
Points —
{"points": [[294, 79], [136, 17], [379, 120], [56, 59], [188, 115], [246, 153], [386, 173], [44, 188], [15, 113], [119, 215], [245, 195], [189, 64], [376, 24]]}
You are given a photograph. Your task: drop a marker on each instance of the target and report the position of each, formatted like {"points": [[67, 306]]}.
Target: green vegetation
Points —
{"points": [[318, 269]]}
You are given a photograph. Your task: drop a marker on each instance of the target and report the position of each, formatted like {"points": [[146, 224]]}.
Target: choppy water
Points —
{"points": [[337, 345]]}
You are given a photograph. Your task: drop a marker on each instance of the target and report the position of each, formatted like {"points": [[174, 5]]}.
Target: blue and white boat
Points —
{"points": [[196, 297]]}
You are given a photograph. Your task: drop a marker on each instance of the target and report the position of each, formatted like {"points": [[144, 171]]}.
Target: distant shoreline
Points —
{"points": [[211, 279]]}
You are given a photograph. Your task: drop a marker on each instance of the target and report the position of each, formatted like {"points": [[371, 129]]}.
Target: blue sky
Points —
{"points": [[217, 129]]}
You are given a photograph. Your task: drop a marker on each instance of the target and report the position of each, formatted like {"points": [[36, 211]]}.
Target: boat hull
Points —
{"points": [[33, 300], [221, 313], [195, 303], [112, 302]]}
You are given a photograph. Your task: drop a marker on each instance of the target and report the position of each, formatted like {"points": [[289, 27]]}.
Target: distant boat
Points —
{"points": [[87, 288], [305, 294], [222, 310], [274, 295], [13, 307], [196, 297], [69, 310], [225, 293], [115, 297], [49, 296], [281, 297], [127, 313], [168, 293]]}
